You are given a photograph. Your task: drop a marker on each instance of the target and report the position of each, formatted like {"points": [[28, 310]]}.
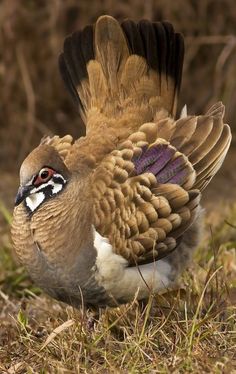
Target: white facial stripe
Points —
{"points": [[60, 176], [34, 200], [56, 187], [37, 196]]}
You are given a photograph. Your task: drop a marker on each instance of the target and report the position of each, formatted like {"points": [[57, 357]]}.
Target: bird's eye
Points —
{"points": [[44, 173], [43, 176]]}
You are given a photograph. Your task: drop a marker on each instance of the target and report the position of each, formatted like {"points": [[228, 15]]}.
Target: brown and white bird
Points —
{"points": [[116, 213]]}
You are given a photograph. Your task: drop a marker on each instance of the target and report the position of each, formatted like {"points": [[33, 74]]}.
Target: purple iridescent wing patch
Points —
{"points": [[158, 160]]}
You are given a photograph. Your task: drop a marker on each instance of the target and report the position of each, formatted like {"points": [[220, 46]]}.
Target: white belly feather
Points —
{"points": [[125, 282]]}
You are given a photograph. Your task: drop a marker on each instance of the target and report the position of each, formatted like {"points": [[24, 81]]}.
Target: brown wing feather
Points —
{"points": [[142, 218], [62, 145]]}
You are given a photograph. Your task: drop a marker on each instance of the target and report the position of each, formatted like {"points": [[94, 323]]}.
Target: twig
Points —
{"points": [[30, 97], [230, 224], [6, 298], [221, 61], [39, 125]]}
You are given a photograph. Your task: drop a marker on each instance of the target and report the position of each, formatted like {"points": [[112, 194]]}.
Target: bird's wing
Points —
{"points": [[146, 193]]}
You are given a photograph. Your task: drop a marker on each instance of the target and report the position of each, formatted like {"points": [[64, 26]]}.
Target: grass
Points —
{"points": [[189, 330]]}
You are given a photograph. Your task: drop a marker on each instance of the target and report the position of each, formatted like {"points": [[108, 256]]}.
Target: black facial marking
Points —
{"points": [[47, 190], [58, 179]]}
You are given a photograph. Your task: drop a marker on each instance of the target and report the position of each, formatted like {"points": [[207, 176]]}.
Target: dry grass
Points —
{"points": [[191, 330]]}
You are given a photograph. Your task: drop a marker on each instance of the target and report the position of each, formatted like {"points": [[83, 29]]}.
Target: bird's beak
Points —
{"points": [[22, 193]]}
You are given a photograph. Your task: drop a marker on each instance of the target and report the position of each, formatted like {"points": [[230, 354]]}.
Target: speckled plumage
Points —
{"points": [[118, 212]]}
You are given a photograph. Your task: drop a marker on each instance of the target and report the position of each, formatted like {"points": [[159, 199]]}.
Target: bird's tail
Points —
{"points": [[116, 70]]}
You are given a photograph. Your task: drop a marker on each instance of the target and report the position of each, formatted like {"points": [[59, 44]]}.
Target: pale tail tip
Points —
{"points": [[183, 112]]}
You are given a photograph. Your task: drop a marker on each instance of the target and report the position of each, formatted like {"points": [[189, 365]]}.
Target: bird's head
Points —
{"points": [[43, 175]]}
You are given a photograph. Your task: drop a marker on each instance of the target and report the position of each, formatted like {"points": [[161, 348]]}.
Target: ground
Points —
{"points": [[188, 330]]}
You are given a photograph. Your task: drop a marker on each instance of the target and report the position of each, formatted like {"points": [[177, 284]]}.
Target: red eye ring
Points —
{"points": [[43, 176]]}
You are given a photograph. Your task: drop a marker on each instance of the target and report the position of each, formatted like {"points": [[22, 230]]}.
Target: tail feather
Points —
{"points": [[77, 52], [137, 65], [134, 69], [111, 50], [97, 82]]}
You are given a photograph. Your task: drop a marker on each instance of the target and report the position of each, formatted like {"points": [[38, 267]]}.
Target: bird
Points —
{"points": [[116, 214]]}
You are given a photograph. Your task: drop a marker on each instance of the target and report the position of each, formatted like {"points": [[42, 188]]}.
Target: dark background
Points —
{"points": [[33, 101]]}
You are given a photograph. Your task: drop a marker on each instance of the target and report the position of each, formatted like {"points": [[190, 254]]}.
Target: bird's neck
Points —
{"points": [[64, 225]]}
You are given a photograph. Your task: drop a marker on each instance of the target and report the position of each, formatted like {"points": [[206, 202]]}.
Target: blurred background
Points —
{"points": [[33, 99]]}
